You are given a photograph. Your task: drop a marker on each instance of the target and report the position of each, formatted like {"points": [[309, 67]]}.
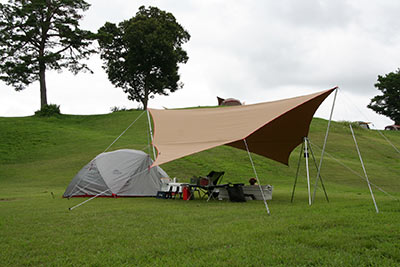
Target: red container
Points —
{"points": [[186, 193]]}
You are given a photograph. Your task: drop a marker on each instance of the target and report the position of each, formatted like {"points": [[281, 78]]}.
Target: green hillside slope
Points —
{"points": [[47, 152], [40, 156]]}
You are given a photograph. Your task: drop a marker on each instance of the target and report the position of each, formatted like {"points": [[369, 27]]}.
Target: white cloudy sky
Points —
{"points": [[255, 50]]}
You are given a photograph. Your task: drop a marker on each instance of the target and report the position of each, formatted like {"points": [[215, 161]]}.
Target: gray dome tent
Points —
{"points": [[122, 173]]}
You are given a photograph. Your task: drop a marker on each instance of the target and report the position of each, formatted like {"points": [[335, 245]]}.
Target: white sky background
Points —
{"points": [[254, 51]]}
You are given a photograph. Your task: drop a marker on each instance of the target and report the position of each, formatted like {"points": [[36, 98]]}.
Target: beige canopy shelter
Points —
{"points": [[271, 129]]}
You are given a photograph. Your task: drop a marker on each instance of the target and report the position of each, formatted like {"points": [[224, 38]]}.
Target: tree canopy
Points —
{"points": [[388, 103], [38, 35], [142, 54]]}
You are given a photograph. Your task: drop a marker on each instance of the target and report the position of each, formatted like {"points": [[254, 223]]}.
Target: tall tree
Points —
{"points": [[388, 103], [39, 35], [141, 54]]}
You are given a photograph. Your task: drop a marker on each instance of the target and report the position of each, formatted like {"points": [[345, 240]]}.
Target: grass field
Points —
{"points": [[40, 156]]}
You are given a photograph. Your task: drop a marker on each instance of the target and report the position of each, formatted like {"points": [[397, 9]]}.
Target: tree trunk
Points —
{"points": [[145, 99], [43, 89]]}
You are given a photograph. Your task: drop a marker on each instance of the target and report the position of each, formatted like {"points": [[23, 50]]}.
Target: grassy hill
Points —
{"points": [[40, 156]]}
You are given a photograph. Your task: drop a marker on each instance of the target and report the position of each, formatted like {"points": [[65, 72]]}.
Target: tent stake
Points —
{"points": [[255, 172], [151, 134], [365, 172], [297, 172], [323, 148]]}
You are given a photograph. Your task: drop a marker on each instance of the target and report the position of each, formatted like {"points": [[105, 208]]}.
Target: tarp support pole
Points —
{"points": [[255, 173], [365, 172], [87, 200], [320, 177], [323, 148], [355, 173], [308, 171], [297, 172], [151, 134]]}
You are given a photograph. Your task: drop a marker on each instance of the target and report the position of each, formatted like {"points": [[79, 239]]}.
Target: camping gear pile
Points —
{"points": [[210, 187]]}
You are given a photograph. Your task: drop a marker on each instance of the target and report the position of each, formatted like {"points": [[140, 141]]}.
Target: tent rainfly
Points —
{"points": [[122, 173], [271, 129]]}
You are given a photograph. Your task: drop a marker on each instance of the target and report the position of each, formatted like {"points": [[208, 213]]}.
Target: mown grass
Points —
{"points": [[40, 156]]}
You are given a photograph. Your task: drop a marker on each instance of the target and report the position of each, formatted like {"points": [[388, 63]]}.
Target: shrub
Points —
{"points": [[48, 111], [116, 109]]}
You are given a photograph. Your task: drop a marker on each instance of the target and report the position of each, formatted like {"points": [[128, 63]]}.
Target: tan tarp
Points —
{"points": [[271, 129]]}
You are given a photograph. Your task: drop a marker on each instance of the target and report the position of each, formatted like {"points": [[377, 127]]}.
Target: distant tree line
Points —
{"points": [[141, 55], [388, 103]]}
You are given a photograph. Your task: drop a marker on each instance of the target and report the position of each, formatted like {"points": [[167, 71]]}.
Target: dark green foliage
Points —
{"points": [[141, 55], [38, 35], [116, 109], [388, 103], [48, 111]]}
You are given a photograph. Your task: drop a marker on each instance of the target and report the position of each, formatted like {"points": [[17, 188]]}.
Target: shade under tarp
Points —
{"points": [[271, 129]]}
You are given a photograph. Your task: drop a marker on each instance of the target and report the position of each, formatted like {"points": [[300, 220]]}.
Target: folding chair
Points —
{"points": [[213, 179]]}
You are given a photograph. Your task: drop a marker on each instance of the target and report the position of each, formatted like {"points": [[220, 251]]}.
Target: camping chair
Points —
{"points": [[204, 185], [199, 185], [213, 179], [195, 182]]}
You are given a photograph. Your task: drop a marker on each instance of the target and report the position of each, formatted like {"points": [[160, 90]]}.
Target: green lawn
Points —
{"points": [[40, 156]]}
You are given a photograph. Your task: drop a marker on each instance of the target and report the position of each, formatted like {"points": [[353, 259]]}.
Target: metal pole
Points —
{"points": [[255, 172], [308, 172], [297, 172], [323, 148], [320, 177], [365, 172], [151, 134]]}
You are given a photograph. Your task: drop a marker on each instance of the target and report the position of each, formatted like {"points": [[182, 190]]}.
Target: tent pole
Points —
{"points": [[308, 171], [151, 134], [297, 172], [365, 172], [323, 148], [320, 177], [255, 173]]}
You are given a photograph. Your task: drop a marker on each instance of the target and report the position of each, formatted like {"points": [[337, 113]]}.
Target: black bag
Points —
{"points": [[235, 193]]}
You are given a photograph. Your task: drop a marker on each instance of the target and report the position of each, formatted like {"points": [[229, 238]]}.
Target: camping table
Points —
{"points": [[174, 187]]}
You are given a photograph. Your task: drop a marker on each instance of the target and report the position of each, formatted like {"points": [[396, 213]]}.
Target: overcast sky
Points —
{"points": [[255, 51]]}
